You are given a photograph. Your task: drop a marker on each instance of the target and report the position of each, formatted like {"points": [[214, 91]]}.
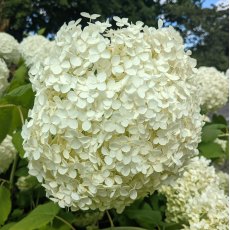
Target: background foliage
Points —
{"points": [[205, 30]]}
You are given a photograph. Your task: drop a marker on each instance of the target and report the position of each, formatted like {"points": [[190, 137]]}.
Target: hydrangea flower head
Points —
{"points": [[34, 48], [115, 114], [9, 48], [7, 152], [214, 87], [4, 74]]}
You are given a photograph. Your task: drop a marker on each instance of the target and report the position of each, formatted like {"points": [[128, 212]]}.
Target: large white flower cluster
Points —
{"points": [[197, 198], [9, 48], [115, 114], [34, 48], [7, 153], [4, 74], [213, 87]]}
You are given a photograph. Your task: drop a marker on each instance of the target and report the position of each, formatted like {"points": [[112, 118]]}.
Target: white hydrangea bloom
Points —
{"points": [[115, 114], [213, 88], [4, 74], [7, 153], [9, 48], [34, 48], [196, 197]]}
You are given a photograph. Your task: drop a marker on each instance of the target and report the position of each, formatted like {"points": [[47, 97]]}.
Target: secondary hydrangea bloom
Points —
{"points": [[7, 153], [34, 48], [224, 181], [9, 48], [197, 198], [115, 114], [213, 88], [4, 74]]}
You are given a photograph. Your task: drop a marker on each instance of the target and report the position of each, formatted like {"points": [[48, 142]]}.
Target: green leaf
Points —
{"points": [[211, 150], [38, 218], [5, 121], [211, 132], [17, 141], [16, 213], [219, 119], [22, 95], [64, 2], [7, 226], [9, 118], [47, 227], [145, 218], [123, 228], [41, 31], [23, 171], [19, 78], [172, 226], [5, 204]]}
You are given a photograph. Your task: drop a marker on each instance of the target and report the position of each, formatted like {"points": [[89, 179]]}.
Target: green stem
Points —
{"points": [[21, 115], [19, 110], [110, 219], [13, 171], [8, 105], [65, 222]]}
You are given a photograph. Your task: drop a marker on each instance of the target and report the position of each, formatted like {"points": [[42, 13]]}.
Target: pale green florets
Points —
{"points": [[87, 219], [213, 88], [197, 198], [7, 153], [224, 181], [34, 49], [9, 48], [222, 143], [25, 183], [115, 114], [4, 74]]}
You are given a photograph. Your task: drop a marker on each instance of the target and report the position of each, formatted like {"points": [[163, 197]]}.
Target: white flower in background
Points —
{"points": [[213, 88], [197, 198], [4, 74], [34, 49], [209, 210], [9, 48], [224, 181], [7, 153], [115, 114]]}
